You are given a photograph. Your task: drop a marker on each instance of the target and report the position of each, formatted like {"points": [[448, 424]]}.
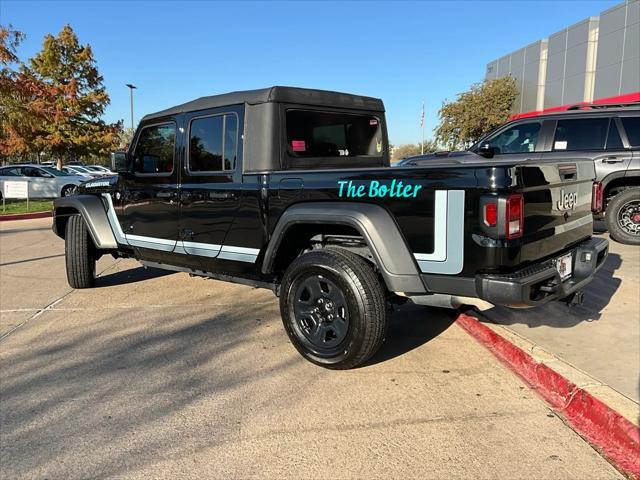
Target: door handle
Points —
{"points": [[221, 195], [613, 160], [165, 194]]}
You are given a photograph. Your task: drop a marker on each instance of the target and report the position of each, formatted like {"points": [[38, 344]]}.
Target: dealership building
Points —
{"points": [[596, 60]]}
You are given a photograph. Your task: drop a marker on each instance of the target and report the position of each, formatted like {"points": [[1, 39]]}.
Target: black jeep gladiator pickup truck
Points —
{"points": [[291, 189]]}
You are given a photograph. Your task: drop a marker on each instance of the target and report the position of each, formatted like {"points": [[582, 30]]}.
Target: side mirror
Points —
{"points": [[486, 151], [119, 162]]}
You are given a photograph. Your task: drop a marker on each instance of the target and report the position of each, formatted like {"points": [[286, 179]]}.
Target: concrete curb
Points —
{"points": [[612, 427], [25, 216]]}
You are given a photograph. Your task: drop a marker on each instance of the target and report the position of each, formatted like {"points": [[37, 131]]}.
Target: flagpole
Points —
{"points": [[422, 125]]}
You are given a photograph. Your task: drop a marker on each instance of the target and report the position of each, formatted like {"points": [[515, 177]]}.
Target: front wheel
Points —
{"points": [[623, 216], [79, 254], [333, 308], [67, 190]]}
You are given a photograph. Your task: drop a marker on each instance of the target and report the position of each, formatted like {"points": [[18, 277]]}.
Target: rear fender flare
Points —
{"points": [[376, 226]]}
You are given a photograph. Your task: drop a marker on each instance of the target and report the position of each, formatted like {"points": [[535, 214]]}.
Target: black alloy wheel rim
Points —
{"points": [[321, 313], [629, 217]]}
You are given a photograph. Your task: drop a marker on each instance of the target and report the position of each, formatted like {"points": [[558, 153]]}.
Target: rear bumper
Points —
{"points": [[541, 283]]}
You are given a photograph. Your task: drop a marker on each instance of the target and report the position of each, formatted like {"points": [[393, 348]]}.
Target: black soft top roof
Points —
{"points": [[304, 96]]}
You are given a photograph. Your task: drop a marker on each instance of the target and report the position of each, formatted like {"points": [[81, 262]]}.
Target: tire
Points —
{"points": [[67, 190], [623, 216], [333, 308], [79, 254]]}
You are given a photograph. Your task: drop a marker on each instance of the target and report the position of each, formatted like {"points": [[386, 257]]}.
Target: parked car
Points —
{"points": [[44, 182], [99, 169], [607, 134], [290, 189], [81, 171]]}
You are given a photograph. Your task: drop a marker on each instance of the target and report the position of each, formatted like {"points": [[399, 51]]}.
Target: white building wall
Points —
{"points": [[596, 58]]}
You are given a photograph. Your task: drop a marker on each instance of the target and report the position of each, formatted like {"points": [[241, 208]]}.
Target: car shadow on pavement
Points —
{"points": [[597, 296], [411, 326], [132, 275], [63, 392]]}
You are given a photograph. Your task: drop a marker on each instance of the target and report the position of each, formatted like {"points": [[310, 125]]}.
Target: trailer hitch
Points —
{"points": [[576, 298]]}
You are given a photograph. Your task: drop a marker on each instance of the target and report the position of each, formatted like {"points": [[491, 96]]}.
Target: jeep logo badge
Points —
{"points": [[568, 201]]}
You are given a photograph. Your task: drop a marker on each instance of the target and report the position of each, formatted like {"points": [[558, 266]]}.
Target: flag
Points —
{"points": [[422, 116]]}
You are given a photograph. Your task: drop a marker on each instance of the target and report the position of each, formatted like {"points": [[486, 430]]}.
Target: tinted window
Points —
{"points": [[632, 127], [330, 134], [614, 142], [155, 149], [34, 172], [230, 141], [581, 134], [521, 138], [209, 139], [11, 172], [55, 172]]}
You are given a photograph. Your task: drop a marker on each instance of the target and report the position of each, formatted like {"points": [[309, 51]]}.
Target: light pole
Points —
{"points": [[131, 88]]}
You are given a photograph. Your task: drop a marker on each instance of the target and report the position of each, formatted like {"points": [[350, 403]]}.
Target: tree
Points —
{"points": [[23, 99], [74, 127], [410, 149], [484, 107], [125, 138]]}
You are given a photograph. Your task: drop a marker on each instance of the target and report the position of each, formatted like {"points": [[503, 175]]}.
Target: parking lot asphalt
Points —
{"points": [[600, 337], [166, 376]]}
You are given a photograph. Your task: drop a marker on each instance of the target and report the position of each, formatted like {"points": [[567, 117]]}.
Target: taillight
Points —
{"points": [[515, 216], [597, 194], [491, 214]]}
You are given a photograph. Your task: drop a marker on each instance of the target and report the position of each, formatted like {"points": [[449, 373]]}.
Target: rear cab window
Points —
{"points": [[334, 139]]}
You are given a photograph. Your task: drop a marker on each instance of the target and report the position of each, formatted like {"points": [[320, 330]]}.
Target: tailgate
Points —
{"points": [[557, 206]]}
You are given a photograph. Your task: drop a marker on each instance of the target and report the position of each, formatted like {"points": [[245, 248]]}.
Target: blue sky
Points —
{"points": [[402, 52]]}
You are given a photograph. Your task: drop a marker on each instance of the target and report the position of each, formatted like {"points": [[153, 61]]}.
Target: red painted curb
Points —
{"points": [[25, 216], [602, 426]]}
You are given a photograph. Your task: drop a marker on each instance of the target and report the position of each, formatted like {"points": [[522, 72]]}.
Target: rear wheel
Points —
{"points": [[623, 216], [79, 254], [333, 308]]}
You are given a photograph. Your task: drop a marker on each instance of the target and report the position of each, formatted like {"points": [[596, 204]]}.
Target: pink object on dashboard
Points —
{"points": [[298, 145]]}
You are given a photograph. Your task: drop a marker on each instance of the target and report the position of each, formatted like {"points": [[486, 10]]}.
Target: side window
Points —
{"points": [[521, 138], [155, 149], [230, 141], [10, 172], [614, 142], [213, 143], [581, 134], [32, 172], [632, 127]]}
